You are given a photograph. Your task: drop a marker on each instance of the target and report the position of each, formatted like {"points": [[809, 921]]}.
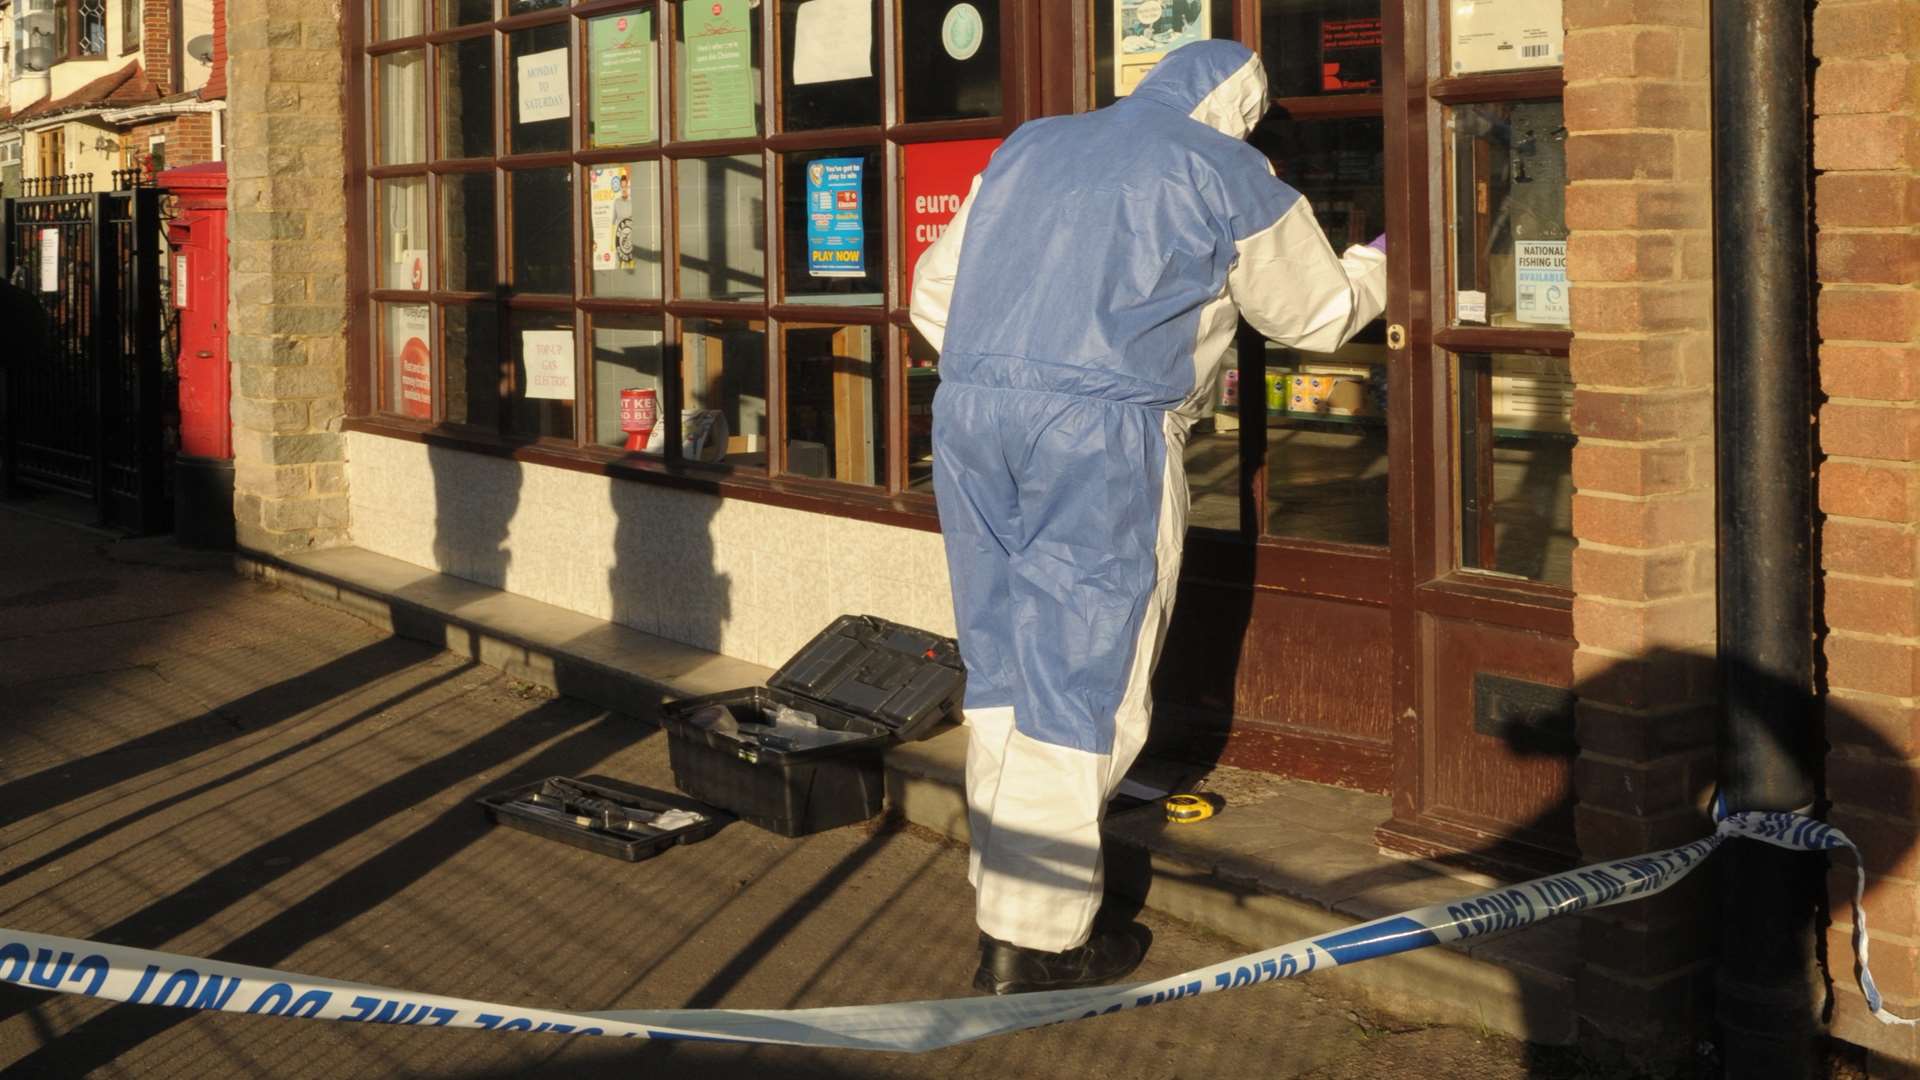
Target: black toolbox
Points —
{"points": [[594, 814], [868, 683]]}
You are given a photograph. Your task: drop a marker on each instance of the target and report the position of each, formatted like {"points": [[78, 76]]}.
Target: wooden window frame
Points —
{"points": [[68, 36]]}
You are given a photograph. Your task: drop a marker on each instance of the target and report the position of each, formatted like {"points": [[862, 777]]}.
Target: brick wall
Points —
{"points": [[1867, 205], [156, 43], [1639, 163], [287, 316]]}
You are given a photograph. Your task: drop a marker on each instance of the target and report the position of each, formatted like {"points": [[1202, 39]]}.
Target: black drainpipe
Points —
{"points": [[1769, 756]]}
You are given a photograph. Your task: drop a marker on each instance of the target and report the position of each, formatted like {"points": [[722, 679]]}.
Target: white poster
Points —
{"points": [[1540, 282], [611, 217], [549, 362], [543, 86], [1503, 35], [832, 40], [49, 260], [1470, 305], [1146, 30]]}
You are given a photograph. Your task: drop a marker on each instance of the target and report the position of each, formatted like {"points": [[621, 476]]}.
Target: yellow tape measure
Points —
{"points": [[1187, 809]]}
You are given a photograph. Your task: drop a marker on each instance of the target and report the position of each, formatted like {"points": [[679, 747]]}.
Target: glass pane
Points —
{"points": [[1509, 214], [466, 98], [949, 60], [541, 201], [471, 361], [93, 26], [836, 403], [829, 64], [723, 210], [923, 378], [624, 216], [518, 7], [1146, 31], [620, 59], [1213, 455], [723, 370], [406, 360], [467, 232], [403, 108], [719, 73], [543, 373], [404, 228], [540, 94], [1516, 465], [835, 229], [461, 12], [628, 382], [1326, 414], [1320, 46], [399, 18]]}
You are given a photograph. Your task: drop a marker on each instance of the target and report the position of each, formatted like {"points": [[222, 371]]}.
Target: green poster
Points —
{"points": [[621, 90], [719, 71]]}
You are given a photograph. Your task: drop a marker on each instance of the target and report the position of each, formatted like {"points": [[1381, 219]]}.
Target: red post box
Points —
{"points": [[197, 272]]}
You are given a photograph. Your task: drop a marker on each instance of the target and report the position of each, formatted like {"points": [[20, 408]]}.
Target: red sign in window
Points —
{"points": [[938, 177]]}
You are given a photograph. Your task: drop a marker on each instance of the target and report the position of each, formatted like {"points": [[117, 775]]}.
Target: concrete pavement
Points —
{"points": [[197, 763]]}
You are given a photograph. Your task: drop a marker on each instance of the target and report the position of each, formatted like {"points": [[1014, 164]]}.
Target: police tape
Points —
{"points": [[146, 977]]}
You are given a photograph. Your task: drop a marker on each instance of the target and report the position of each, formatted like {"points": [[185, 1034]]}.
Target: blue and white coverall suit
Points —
{"points": [[1082, 301]]}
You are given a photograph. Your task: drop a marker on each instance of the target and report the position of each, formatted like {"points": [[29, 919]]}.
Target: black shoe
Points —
{"points": [[1009, 969]]}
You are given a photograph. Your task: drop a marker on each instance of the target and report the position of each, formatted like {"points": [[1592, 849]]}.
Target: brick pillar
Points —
{"points": [[287, 225], [1639, 161], [1866, 210]]}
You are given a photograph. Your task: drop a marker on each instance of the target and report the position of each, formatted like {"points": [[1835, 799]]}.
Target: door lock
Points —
{"points": [[1396, 337]]}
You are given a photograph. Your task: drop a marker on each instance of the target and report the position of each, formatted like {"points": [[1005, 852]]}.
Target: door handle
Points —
{"points": [[1396, 337]]}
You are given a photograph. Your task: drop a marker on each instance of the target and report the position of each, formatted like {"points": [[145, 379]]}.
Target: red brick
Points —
{"points": [[1636, 362], [1631, 470], [1626, 52], [1881, 726], [1651, 205], [1877, 28], [1868, 548], [1641, 790], [1642, 417], [1884, 258], [1884, 432], [1874, 665], [1873, 141], [1890, 903], [1621, 256], [1889, 848], [1620, 156], [1634, 628], [1876, 372], [1669, 679], [1861, 314], [1642, 523], [1874, 784], [1862, 200], [1896, 963], [1872, 607], [1860, 86], [1599, 106], [1875, 492], [1853, 1024], [1582, 14], [1604, 834], [1621, 309]]}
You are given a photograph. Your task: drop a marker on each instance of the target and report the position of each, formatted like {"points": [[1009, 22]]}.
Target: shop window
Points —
{"points": [[723, 375], [541, 202], [539, 92], [399, 19], [829, 64], [466, 98], [1213, 456], [467, 232], [1130, 37], [722, 246], [623, 215], [1321, 46], [401, 83], [541, 345], [950, 60], [833, 227], [403, 255], [716, 58], [471, 351], [1515, 448], [922, 381], [1509, 214], [521, 7], [620, 62], [130, 24], [463, 12], [629, 382], [836, 406]]}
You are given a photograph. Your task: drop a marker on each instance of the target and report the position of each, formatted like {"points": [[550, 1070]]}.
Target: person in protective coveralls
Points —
{"points": [[1082, 301]]}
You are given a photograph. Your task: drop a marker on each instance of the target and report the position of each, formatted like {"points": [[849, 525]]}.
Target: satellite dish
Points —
{"points": [[201, 48]]}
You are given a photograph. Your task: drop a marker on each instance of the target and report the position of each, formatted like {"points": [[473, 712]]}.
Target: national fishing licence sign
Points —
{"points": [[836, 233]]}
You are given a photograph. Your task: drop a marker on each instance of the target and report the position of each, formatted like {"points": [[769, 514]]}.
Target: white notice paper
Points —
{"points": [[833, 40], [543, 86], [49, 260], [180, 280], [1470, 306], [1503, 35], [549, 360]]}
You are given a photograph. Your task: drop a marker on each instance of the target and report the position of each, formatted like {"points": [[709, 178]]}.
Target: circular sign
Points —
{"points": [[962, 31]]}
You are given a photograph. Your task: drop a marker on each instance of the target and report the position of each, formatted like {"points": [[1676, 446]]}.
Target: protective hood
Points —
{"points": [[1222, 84]]}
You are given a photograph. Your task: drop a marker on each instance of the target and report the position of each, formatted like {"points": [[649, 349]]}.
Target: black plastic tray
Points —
{"points": [[503, 808]]}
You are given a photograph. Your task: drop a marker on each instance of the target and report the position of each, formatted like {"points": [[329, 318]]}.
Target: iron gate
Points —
{"points": [[87, 418]]}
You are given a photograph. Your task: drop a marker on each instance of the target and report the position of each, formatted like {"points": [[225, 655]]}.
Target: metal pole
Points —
{"points": [[1769, 757]]}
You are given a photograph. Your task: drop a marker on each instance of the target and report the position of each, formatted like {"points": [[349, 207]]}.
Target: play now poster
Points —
{"points": [[836, 227], [938, 177]]}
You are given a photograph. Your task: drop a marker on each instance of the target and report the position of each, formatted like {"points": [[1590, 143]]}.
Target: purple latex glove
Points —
{"points": [[1379, 243]]}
